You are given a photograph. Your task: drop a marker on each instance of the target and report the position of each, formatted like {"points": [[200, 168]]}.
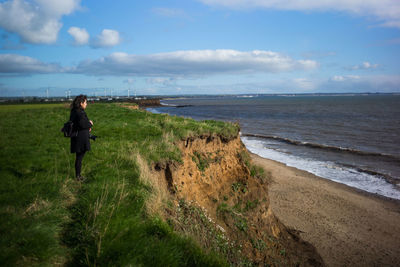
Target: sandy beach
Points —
{"points": [[347, 226]]}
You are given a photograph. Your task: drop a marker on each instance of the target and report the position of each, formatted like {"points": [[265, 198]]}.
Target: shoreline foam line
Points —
{"points": [[320, 146], [328, 170]]}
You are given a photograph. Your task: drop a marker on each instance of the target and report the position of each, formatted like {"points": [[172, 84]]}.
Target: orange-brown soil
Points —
{"points": [[129, 105], [215, 177]]}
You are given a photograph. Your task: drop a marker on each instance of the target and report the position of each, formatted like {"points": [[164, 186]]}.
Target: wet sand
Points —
{"points": [[347, 226]]}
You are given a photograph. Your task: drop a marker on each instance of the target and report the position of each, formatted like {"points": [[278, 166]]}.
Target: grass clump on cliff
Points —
{"points": [[255, 171], [47, 218]]}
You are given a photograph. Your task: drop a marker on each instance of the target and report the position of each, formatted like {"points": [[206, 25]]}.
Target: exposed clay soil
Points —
{"points": [[347, 227], [215, 177]]}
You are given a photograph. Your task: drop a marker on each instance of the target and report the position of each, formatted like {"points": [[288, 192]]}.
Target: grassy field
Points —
{"points": [[17, 107], [48, 218]]}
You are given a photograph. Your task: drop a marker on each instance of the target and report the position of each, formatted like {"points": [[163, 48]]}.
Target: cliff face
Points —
{"points": [[215, 176], [146, 102]]}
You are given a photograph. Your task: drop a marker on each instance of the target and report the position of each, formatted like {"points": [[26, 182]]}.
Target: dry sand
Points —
{"points": [[347, 226]]}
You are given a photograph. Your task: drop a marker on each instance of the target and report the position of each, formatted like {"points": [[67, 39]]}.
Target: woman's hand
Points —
{"points": [[91, 122]]}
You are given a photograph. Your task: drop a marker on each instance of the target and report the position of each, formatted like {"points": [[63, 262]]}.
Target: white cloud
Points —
{"points": [[304, 83], [367, 65], [81, 36], [35, 22], [107, 38], [368, 83], [160, 80], [59, 7], [340, 78], [364, 66], [386, 11], [17, 64], [194, 62]]}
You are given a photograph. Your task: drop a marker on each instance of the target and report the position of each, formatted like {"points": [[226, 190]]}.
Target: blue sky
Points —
{"points": [[198, 47]]}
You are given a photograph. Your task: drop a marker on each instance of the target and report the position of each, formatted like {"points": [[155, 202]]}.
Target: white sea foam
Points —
{"points": [[166, 104], [328, 170], [153, 110]]}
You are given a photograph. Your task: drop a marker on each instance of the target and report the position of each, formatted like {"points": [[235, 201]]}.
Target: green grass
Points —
{"points": [[255, 171], [201, 161], [47, 218], [17, 107]]}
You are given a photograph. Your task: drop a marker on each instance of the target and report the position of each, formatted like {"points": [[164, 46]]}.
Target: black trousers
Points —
{"points": [[78, 163]]}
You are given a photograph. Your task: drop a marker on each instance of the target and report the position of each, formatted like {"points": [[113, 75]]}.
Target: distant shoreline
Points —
{"points": [[30, 99]]}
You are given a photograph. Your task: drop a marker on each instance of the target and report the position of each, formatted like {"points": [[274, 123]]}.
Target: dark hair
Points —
{"points": [[76, 104]]}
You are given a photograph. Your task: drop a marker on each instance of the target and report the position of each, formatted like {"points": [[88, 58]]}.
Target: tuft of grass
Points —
{"points": [[250, 205], [258, 244], [283, 252], [157, 187], [255, 171], [192, 220], [226, 212], [241, 224], [202, 162], [239, 187], [223, 209]]}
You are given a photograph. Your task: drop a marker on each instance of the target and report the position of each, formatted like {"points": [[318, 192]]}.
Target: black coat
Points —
{"points": [[80, 143]]}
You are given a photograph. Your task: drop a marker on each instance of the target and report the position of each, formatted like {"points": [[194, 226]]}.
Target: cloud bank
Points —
{"points": [[368, 83], [386, 11], [365, 66], [281, 85], [16, 64], [168, 69], [345, 78], [175, 64], [36, 22], [193, 62]]}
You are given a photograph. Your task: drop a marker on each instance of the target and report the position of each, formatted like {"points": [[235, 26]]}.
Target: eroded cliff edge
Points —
{"points": [[220, 199]]}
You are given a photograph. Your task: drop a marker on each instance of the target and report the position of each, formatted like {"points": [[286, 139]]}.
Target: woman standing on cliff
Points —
{"points": [[81, 143]]}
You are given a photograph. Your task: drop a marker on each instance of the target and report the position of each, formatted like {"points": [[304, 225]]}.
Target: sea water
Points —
{"points": [[350, 139]]}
